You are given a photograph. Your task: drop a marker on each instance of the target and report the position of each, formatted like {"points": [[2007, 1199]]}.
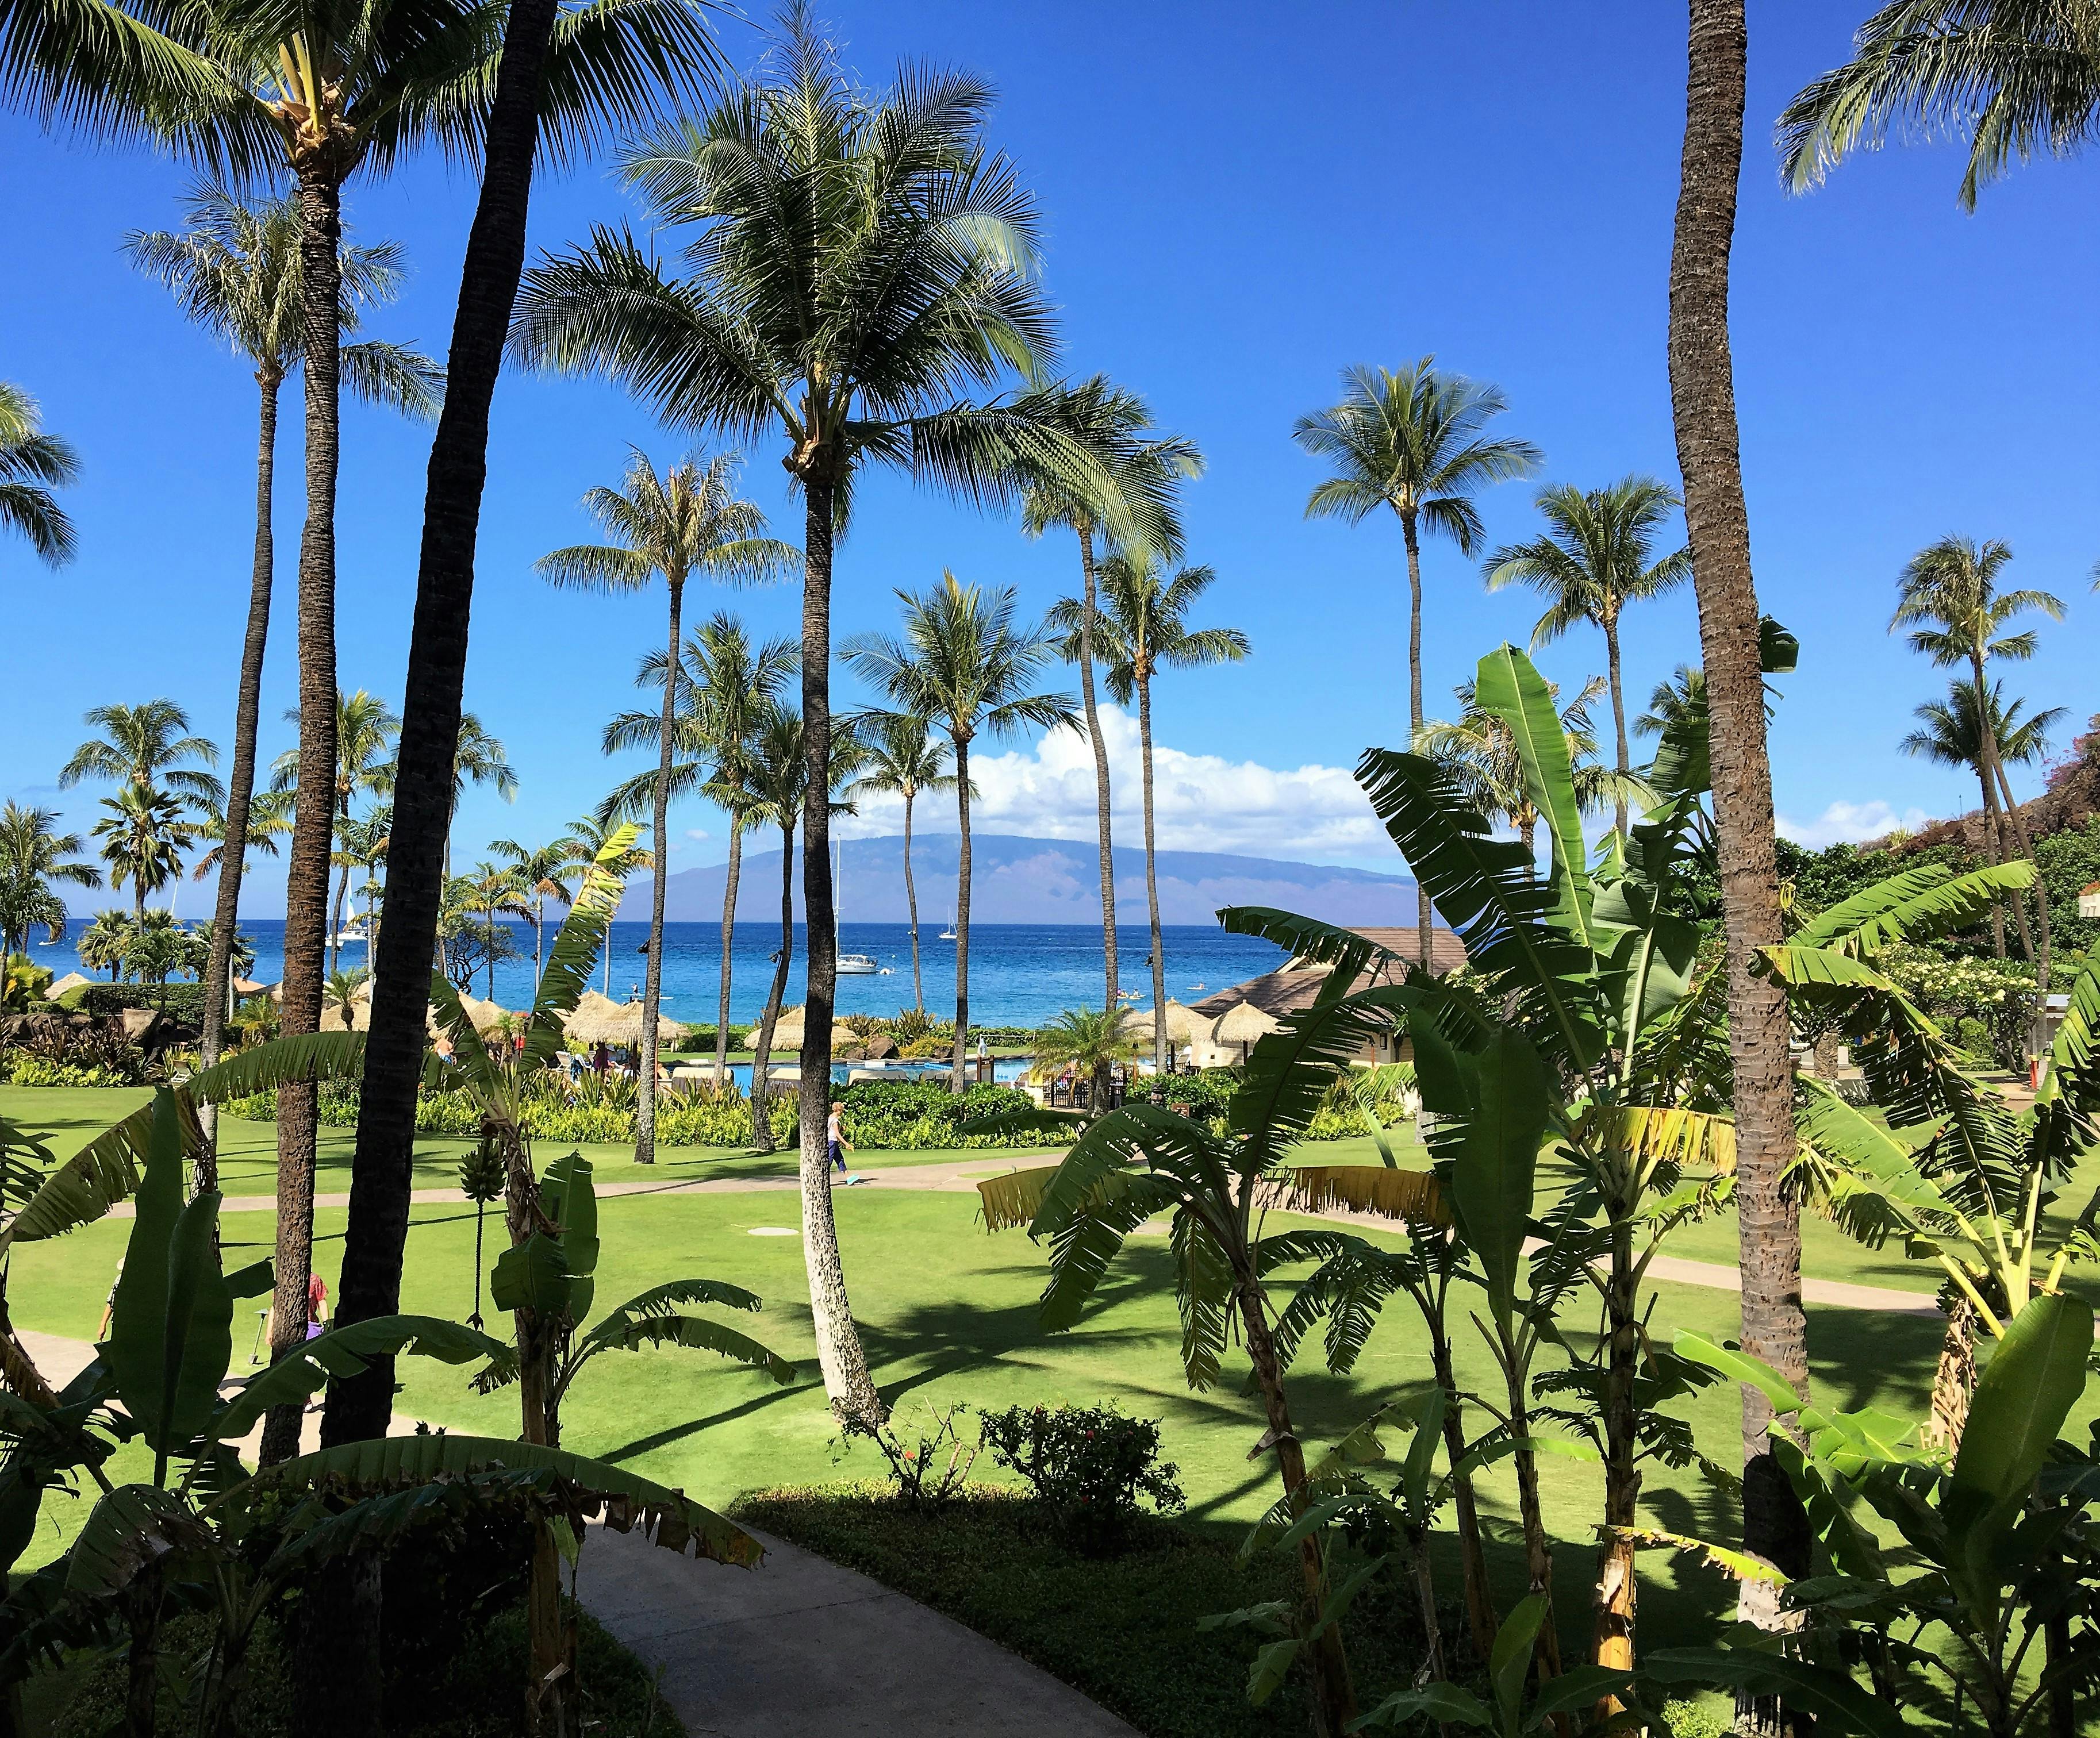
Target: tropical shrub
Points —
{"points": [[1996, 995], [182, 1002], [908, 1025], [1091, 1467], [54, 1054], [929, 1048], [23, 983], [928, 1468], [1203, 1096]]}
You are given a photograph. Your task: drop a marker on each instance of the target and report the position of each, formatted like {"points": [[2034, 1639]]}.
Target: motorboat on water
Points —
{"points": [[857, 965], [350, 935]]}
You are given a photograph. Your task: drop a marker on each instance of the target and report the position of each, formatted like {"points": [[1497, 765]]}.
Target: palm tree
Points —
{"points": [[33, 856], [1089, 1041], [862, 262], [1954, 734], [963, 664], [1479, 752], [1144, 628], [729, 691], [1948, 596], [1594, 561], [103, 943], [562, 73], [689, 521], [139, 745], [902, 759], [1702, 396], [144, 835], [1145, 471], [1413, 441], [544, 871], [493, 890], [365, 729], [362, 843], [1680, 699], [2018, 76], [31, 465], [269, 819], [235, 271]]}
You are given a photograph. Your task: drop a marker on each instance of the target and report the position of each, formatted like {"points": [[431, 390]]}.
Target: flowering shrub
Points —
{"points": [[1089, 1466], [929, 1471], [1996, 995]]}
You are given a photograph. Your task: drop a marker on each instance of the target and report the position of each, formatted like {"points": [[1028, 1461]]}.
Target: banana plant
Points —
{"points": [[204, 1531], [1998, 1536], [1144, 1160], [1966, 1182]]}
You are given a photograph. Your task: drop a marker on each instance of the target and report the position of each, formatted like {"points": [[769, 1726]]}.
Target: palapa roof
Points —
{"points": [[1292, 987], [599, 1020], [1244, 1022], [65, 985], [1183, 1026]]}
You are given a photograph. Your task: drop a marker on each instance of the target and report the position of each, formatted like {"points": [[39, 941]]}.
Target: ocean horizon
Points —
{"points": [[1021, 974]]}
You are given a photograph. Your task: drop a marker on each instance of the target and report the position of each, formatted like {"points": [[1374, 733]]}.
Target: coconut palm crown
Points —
{"points": [[31, 465], [35, 859]]}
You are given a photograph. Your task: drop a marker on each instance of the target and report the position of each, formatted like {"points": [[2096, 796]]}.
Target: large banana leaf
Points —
{"points": [[1830, 1694], [1203, 1294], [132, 1526], [2074, 1060], [566, 974], [1308, 939], [630, 1333], [343, 1351], [170, 1337], [1414, 1197], [1913, 906], [1486, 889], [2024, 1396], [1647, 968], [630, 1501], [1010, 1200], [1861, 1174], [1500, 1116], [567, 1198], [106, 1171], [1507, 684], [530, 1275]]}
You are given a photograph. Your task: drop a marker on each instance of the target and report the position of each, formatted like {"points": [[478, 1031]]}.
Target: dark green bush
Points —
{"points": [[182, 1002], [1205, 1094], [1090, 1467]]}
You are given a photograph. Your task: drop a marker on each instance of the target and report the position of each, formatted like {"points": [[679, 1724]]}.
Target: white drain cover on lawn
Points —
{"points": [[772, 1231]]}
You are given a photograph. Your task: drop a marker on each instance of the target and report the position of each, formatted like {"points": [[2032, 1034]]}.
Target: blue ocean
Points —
{"points": [[1021, 974]]}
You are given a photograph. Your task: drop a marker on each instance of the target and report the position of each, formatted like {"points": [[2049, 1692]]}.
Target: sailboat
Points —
{"points": [[849, 965], [948, 934]]}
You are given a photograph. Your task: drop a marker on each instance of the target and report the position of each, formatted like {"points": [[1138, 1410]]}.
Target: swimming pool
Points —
{"points": [[1005, 1070]]}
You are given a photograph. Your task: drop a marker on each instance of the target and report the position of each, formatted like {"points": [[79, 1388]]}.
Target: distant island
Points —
{"points": [[1020, 880]]}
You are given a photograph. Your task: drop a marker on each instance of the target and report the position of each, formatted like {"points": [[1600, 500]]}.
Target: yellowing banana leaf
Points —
{"points": [[1738, 1565], [1695, 1139], [1412, 1196], [1010, 1202]]}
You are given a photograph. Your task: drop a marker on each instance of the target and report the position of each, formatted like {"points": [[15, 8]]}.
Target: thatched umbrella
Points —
{"points": [[71, 982], [1242, 1024], [788, 1031], [597, 1020], [1183, 1025], [486, 1016]]}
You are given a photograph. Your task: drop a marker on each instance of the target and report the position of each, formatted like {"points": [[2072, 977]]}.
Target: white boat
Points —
{"points": [[948, 934], [350, 935], [849, 965]]}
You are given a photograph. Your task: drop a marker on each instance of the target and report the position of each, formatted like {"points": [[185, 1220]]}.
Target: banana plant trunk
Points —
{"points": [[652, 976], [1703, 404], [962, 743], [728, 941], [313, 812], [1151, 884], [839, 1351], [1617, 1585], [1102, 803], [1623, 762], [241, 776], [761, 1049], [1333, 1701], [1481, 1622], [381, 1175], [1424, 916], [911, 906]]}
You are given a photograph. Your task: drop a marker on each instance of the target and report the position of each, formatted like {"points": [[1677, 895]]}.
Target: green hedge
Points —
{"points": [[896, 1116], [183, 1002]]}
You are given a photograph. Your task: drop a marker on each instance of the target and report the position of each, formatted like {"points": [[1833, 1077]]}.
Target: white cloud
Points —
{"points": [[1202, 802], [698, 832], [1848, 823]]}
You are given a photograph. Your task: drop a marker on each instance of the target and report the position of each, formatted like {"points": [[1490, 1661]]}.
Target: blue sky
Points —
{"points": [[1236, 203]]}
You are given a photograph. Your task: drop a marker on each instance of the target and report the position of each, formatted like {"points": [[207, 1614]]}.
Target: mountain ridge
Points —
{"points": [[1016, 879]]}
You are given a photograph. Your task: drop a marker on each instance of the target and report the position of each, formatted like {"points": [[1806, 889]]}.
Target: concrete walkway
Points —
{"points": [[802, 1648]]}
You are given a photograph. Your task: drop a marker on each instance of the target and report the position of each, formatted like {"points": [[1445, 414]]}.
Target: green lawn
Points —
{"points": [[947, 1314]]}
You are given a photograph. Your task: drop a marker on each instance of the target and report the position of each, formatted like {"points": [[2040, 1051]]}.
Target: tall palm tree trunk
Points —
{"points": [[652, 976], [761, 1050], [1988, 731], [845, 1364], [728, 941], [381, 1173], [241, 776], [1994, 847], [1624, 762], [963, 912], [912, 908], [341, 903], [1703, 401], [313, 815], [1101, 794], [1151, 884], [1424, 917]]}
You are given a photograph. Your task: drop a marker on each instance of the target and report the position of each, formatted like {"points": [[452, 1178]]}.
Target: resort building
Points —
{"points": [[1294, 985]]}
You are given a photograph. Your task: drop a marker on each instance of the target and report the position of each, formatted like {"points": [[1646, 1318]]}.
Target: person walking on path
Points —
{"points": [[835, 1134]]}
